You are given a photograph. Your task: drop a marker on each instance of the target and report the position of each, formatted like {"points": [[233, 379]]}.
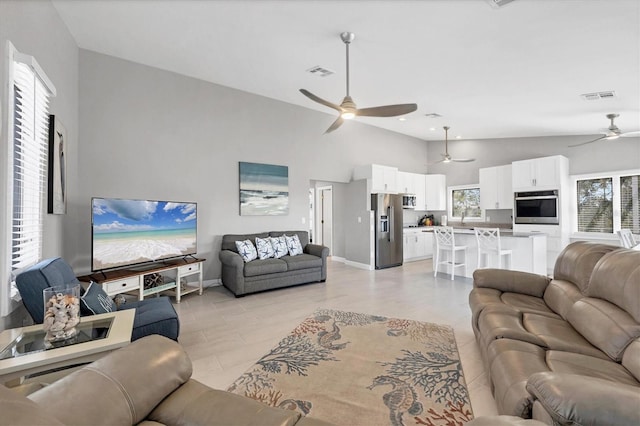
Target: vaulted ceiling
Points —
{"points": [[489, 72]]}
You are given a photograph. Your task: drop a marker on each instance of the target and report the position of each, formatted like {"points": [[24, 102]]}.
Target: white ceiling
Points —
{"points": [[513, 71]]}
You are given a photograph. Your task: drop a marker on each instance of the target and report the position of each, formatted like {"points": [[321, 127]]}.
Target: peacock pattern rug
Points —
{"points": [[352, 368]]}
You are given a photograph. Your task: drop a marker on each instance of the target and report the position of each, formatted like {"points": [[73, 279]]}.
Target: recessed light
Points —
{"points": [[458, 137], [432, 129], [402, 119], [433, 115]]}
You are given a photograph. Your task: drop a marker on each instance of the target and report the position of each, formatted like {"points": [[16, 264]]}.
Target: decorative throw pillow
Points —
{"points": [[95, 301], [264, 247], [246, 250], [279, 245], [293, 244]]}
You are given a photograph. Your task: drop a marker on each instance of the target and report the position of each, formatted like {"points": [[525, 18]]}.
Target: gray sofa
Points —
{"points": [[258, 275], [564, 350]]}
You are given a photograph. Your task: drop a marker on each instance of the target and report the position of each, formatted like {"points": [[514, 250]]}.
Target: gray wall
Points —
{"points": [[153, 134], [35, 28], [620, 154]]}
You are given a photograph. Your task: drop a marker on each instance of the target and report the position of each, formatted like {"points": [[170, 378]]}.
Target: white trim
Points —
{"points": [[31, 62], [352, 263]]}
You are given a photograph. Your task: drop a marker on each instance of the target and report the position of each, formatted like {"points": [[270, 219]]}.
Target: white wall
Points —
{"points": [[152, 134], [35, 28]]}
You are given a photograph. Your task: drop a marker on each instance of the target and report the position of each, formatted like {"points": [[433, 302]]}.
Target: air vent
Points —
{"points": [[499, 3], [319, 71], [433, 115], [596, 96]]}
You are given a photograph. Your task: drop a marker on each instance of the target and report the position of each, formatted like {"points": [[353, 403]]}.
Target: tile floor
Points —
{"points": [[224, 336]]}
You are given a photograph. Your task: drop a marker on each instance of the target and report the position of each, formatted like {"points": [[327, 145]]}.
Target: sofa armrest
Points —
{"points": [[196, 404], [120, 388], [574, 399], [320, 251], [511, 281], [232, 271]]}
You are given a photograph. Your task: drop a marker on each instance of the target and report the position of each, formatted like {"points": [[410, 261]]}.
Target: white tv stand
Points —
{"points": [[132, 280]]}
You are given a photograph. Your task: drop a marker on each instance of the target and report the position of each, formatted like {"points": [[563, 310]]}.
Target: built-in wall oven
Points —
{"points": [[536, 207]]}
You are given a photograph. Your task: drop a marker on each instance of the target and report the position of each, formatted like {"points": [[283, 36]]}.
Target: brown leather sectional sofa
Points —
{"points": [[145, 383], [564, 350]]}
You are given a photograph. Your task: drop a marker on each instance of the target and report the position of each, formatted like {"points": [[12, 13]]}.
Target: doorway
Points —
{"points": [[324, 215]]}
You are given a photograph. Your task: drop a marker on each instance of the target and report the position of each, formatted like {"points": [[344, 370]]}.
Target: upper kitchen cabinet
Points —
{"points": [[436, 192], [539, 173], [496, 191], [413, 183], [383, 179]]}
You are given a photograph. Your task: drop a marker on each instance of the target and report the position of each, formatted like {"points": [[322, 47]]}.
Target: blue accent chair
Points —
{"points": [[153, 316]]}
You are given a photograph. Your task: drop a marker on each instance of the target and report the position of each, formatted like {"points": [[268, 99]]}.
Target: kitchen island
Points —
{"points": [[529, 251]]}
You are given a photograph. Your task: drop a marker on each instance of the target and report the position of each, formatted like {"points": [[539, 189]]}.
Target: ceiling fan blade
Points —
{"points": [[436, 162], [335, 125], [591, 141], [387, 110], [463, 160], [319, 100], [630, 134]]}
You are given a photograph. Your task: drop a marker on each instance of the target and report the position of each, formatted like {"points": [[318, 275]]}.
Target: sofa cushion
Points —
{"points": [[631, 358], [264, 266], [576, 262], [154, 315], [293, 244], [264, 248], [95, 301], [229, 240], [584, 365], [302, 235], [302, 261], [605, 325], [616, 278], [247, 250], [279, 245], [560, 295]]}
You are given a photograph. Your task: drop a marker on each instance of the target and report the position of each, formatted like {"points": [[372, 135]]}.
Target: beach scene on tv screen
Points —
{"points": [[135, 231]]}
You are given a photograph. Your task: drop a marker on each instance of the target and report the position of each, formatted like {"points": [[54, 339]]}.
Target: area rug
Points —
{"points": [[359, 369]]}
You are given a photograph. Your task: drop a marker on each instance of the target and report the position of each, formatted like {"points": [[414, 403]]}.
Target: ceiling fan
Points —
{"points": [[348, 108], [613, 132], [446, 157]]}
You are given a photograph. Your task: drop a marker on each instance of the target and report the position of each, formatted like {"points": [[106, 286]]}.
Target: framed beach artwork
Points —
{"points": [[264, 189], [57, 197]]}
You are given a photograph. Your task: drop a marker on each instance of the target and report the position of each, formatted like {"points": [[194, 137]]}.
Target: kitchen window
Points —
{"points": [[608, 202], [464, 203]]}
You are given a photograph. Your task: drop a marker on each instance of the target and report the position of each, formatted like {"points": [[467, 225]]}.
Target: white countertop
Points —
{"points": [[469, 230]]}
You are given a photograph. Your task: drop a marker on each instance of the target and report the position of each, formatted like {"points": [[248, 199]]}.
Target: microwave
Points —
{"points": [[408, 201], [536, 207]]}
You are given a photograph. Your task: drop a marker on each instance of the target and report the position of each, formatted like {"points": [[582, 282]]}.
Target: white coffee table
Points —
{"points": [[23, 350]]}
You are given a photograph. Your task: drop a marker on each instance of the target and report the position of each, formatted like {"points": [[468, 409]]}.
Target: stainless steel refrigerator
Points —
{"points": [[388, 229]]}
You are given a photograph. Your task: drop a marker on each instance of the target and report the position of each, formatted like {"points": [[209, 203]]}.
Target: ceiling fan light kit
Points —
{"points": [[348, 108]]}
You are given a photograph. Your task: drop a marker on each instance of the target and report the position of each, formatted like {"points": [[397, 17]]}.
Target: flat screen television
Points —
{"points": [[131, 232]]}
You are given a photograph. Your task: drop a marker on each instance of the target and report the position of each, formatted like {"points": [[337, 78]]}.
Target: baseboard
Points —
{"points": [[212, 283], [352, 263]]}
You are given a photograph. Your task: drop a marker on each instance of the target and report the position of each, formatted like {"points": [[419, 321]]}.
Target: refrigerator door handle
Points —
{"points": [[392, 228]]}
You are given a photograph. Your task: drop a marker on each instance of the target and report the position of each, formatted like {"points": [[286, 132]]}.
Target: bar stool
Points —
{"points": [[445, 242], [489, 244]]}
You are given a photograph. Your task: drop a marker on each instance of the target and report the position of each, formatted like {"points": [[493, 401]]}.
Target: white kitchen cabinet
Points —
{"points": [[496, 191], [406, 183], [383, 179], [413, 183], [539, 173], [418, 245], [436, 192]]}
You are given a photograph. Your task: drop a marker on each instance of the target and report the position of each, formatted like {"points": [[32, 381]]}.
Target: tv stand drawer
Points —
{"points": [[189, 269], [121, 286]]}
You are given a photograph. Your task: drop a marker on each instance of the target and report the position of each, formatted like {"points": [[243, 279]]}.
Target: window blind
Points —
{"points": [[595, 205], [630, 203], [30, 139]]}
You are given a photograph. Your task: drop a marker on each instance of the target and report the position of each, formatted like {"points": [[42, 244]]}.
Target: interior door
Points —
{"points": [[326, 217]]}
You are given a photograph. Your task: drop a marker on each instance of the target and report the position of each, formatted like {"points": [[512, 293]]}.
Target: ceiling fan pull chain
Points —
{"points": [[347, 44]]}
